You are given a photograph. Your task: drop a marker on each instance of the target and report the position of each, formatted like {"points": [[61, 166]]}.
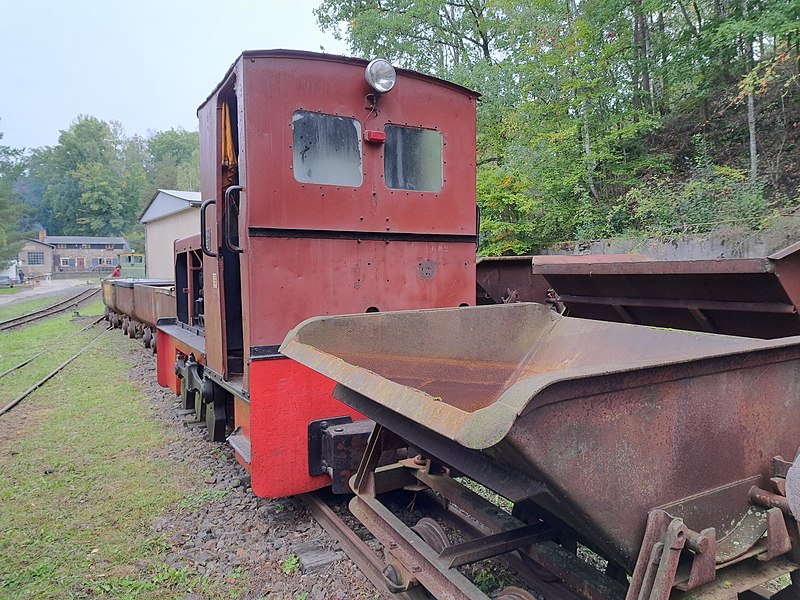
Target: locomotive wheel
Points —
{"points": [[514, 593], [153, 345], [216, 419], [432, 534], [146, 337]]}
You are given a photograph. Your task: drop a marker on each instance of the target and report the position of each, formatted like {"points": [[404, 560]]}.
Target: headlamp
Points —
{"points": [[380, 75]]}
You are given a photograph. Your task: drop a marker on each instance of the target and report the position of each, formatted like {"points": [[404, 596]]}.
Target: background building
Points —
{"points": [[52, 254], [36, 258], [170, 215]]}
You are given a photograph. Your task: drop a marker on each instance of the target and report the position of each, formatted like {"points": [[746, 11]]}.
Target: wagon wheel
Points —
{"points": [[514, 593], [147, 337], [153, 345], [432, 534]]}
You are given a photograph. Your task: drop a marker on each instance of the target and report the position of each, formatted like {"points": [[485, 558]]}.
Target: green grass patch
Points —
{"points": [[18, 309], [61, 337], [79, 486], [11, 291]]}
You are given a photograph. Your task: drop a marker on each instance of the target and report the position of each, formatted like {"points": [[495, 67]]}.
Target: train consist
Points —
{"points": [[337, 188]]}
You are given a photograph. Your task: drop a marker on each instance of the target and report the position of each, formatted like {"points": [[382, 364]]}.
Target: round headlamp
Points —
{"points": [[380, 75]]}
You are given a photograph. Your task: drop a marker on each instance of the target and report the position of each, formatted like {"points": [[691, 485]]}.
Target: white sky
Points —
{"points": [[145, 63]]}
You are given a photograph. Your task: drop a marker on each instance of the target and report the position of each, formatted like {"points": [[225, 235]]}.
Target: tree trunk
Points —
{"points": [[587, 149], [751, 108]]}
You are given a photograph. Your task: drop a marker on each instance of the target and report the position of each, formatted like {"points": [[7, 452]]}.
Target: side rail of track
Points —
{"points": [[53, 309], [50, 375]]}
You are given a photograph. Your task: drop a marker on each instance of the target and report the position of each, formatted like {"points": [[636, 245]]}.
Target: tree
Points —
{"points": [[173, 160], [11, 210], [87, 186]]}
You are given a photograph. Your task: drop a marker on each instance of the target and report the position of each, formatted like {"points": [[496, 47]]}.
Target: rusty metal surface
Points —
{"points": [[153, 302], [502, 279], [754, 297], [358, 551], [615, 419]]}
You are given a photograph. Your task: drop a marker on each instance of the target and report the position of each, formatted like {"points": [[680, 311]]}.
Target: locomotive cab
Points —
{"points": [[331, 186]]}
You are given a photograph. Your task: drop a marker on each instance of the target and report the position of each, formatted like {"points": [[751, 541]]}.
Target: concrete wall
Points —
{"points": [[723, 244], [160, 236]]}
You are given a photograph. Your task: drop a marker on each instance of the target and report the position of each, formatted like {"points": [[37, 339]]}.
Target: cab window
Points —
{"points": [[413, 159], [326, 149]]}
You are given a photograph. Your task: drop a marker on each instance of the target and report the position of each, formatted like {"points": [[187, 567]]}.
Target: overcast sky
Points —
{"points": [[145, 63]]}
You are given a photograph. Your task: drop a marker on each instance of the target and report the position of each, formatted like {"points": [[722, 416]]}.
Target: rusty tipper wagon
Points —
{"points": [[664, 451]]}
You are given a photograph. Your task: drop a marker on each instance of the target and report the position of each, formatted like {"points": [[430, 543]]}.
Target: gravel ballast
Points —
{"points": [[221, 528]]}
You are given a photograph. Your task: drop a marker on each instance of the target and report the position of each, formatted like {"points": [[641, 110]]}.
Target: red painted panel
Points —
{"points": [[297, 279], [168, 348], [241, 412], [209, 172], [284, 397], [165, 359], [274, 88]]}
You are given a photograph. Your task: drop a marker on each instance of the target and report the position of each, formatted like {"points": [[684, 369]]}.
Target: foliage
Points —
{"points": [[290, 565], [712, 196], [11, 211], [96, 181], [573, 93]]}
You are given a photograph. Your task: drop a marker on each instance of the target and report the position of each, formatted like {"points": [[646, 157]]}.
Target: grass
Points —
{"points": [[20, 308], [79, 486], [9, 291]]}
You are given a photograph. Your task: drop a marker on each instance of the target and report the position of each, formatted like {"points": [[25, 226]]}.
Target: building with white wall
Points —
{"points": [[170, 215]]}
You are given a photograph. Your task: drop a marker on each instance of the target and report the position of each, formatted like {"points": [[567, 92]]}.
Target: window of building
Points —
{"points": [[64, 262], [412, 159], [35, 258], [326, 149], [109, 261], [61, 246]]}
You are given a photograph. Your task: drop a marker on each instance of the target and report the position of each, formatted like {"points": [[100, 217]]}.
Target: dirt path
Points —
{"points": [[40, 289]]}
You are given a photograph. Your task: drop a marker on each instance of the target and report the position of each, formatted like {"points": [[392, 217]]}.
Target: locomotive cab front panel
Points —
{"points": [[324, 196]]}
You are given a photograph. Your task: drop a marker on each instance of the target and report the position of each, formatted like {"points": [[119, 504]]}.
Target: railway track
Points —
{"points": [[52, 373], [53, 309]]}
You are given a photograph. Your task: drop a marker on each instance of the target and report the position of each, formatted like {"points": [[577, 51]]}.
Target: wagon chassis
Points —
{"points": [[674, 561]]}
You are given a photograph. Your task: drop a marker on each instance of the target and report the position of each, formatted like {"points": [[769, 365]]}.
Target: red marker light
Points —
{"points": [[375, 137]]}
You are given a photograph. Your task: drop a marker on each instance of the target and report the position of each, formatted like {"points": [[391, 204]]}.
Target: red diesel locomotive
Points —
{"points": [[332, 186]]}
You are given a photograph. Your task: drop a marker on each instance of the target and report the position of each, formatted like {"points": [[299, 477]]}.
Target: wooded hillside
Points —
{"points": [[608, 117]]}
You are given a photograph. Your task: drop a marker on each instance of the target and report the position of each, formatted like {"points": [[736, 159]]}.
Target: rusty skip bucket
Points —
{"points": [[153, 301], [614, 420]]}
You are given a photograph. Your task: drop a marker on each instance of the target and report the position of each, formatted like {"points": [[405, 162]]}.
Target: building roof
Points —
{"points": [[83, 239], [39, 242], [168, 202]]}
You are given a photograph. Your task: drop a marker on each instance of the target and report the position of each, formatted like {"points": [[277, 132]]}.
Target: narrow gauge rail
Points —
{"points": [[38, 354], [52, 373], [48, 311]]}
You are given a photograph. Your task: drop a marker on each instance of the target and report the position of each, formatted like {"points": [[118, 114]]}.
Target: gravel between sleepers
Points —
{"points": [[227, 528]]}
